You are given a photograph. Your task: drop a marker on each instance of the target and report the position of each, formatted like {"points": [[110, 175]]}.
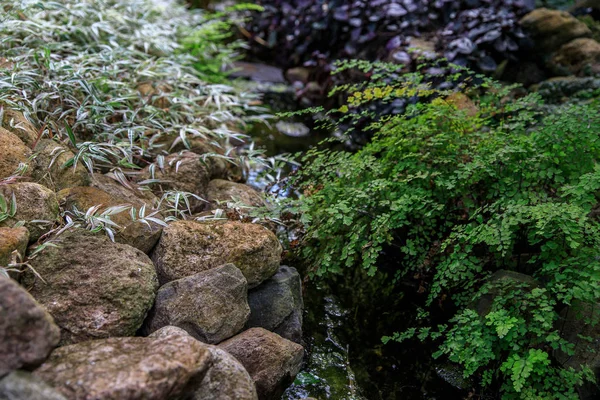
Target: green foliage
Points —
{"points": [[8, 208], [459, 188]]}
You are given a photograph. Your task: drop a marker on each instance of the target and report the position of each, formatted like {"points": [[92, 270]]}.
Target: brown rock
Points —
{"points": [[222, 191], [132, 193], [464, 103], [138, 234], [211, 305], [12, 152], [94, 288], [188, 247], [272, 361], [27, 332], [11, 240], [50, 170], [578, 57], [185, 171], [21, 385], [15, 122], [550, 29], [34, 203], [127, 368]]}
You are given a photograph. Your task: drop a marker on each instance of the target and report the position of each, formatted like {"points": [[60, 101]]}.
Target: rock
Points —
{"points": [[188, 247], [211, 305], [21, 385], [464, 103], [550, 29], [559, 89], [127, 368], [15, 122], [132, 193], [257, 72], [581, 320], [134, 233], [292, 129], [27, 332], [276, 304], [502, 281], [222, 191], [12, 153], [156, 93], [49, 168], [272, 361], [298, 74], [184, 171], [12, 239], [579, 57], [95, 288], [34, 203], [226, 378]]}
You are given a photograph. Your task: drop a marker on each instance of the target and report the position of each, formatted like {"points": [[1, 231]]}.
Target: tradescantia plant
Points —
{"points": [[459, 188]]}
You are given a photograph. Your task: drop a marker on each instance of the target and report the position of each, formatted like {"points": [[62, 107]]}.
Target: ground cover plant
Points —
{"points": [[465, 184]]}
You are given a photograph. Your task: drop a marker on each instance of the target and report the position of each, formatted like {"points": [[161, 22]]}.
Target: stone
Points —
{"points": [[276, 305], [16, 122], [184, 171], [12, 153], [579, 57], [130, 191], [35, 203], [211, 305], [188, 247], [27, 332], [11, 240], [272, 361], [156, 93], [21, 385], [257, 72], [127, 368], [138, 234], [226, 378], [50, 170], [222, 191], [500, 281], [561, 89], [464, 103], [550, 29], [298, 74], [94, 288]]}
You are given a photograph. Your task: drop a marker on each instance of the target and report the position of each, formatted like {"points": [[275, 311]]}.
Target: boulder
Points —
{"points": [[16, 122], [11, 240], [138, 234], [560, 89], [21, 385], [550, 29], [35, 203], [188, 247], [500, 282], [579, 57], [226, 378], [272, 361], [94, 288], [12, 153], [27, 332], [185, 172], [222, 191], [211, 305], [127, 368], [276, 304], [130, 191], [50, 169]]}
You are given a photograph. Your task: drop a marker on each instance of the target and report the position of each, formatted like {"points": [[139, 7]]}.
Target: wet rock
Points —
{"points": [[578, 57], [27, 332], [276, 304], [222, 191], [127, 368], [211, 305], [21, 385], [142, 236], [188, 247], [502, 281], [272, 361], [34, 203], [94, 288], [226, 378], [50, 169], [15, 122], [12, 152], [184, 171], [453, 374], [11, 240], [551, 29], [577, 321], [292, 129]]}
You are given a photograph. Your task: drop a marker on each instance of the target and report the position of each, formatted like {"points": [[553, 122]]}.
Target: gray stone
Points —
{"points": [[210, 305], [21, 385]]}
